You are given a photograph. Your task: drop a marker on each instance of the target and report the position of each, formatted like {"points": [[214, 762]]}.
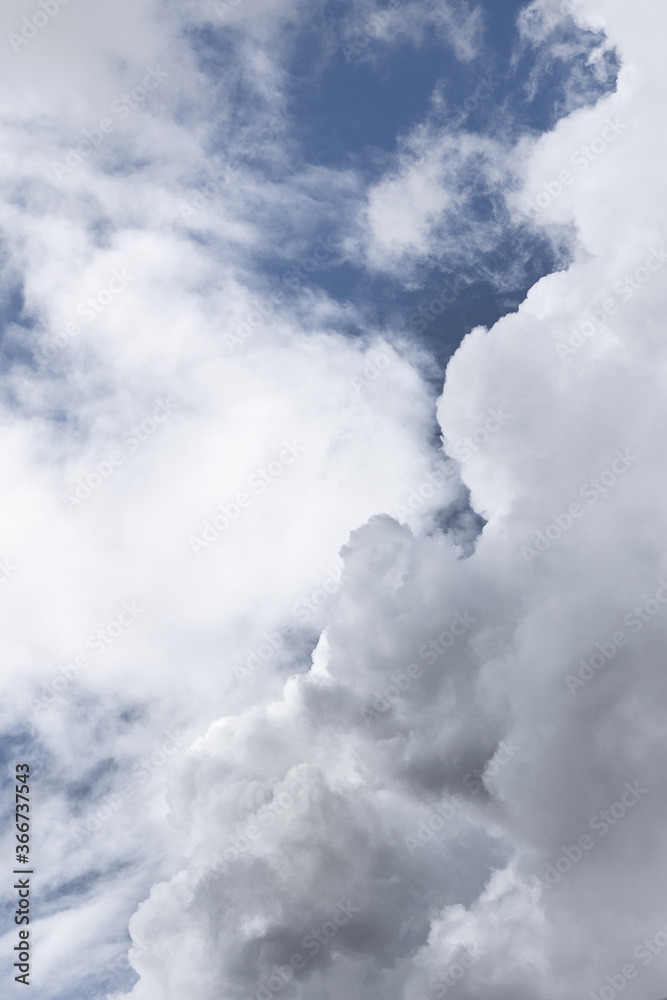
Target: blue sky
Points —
{"points": [[349, 104]]}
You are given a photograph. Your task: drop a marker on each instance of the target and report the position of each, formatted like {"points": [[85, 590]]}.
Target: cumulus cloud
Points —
{"points": [[360, 762], [180, 432], [295, 722]]}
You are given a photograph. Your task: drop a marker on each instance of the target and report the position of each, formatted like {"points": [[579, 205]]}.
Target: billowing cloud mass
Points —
{"points": [[339, 675]]}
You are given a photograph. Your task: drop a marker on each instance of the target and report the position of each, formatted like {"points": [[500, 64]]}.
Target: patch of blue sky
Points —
{"points": [[15, 325], [354, 100], [350, 101], [527, 90], [559, 76], [351, 98], [16, 747], [356, 107]]}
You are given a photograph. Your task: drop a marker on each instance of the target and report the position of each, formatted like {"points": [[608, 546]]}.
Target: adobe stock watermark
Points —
{"points": [[615, 983], [401, 683], [481, 436], [601, 824], [420, 495], [122, 107], [88, 309], [484, 90], [256, 824], [592, 491], [580, 158], [313, 942], [98, 642], [224, 174], [444, 813], [142, 772], [426, 830], [459, 625], [635, 620], [293, 278], [594, 320], [454, 972], [257, 484], [38, 20], [631, 283], [137, 435], [644, 951], [374, 366], [302, 611]]}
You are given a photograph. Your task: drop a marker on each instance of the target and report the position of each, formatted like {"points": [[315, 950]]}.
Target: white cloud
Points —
{"points": [[158, 332], [321, 795], [422, 212], [506, 677], [372, 29]]}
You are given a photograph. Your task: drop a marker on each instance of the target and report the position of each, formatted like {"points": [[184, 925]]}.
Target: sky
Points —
{"points": [[332, 581]]}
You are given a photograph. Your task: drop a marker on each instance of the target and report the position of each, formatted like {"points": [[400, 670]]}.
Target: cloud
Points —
{"points": [[425, 211], [371, 30], [445, 201], [120, 392], [560, 36], [336, 753], [468, 903]]}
